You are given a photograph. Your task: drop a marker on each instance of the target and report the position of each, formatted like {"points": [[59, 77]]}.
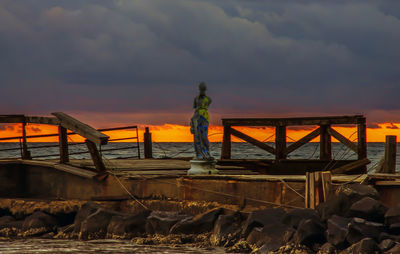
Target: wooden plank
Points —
{"points": [[311, 191], [12, 118], [63, 144], [351, 166], [326, 181], [42, 120], [252, 141], [226, 143], [304, 140], [307, 191], [74, 170], [82, 129], [96, 157], [389, 165], [353, 119], [342, 139], [325, 143], [280, 142], [362, 139]]}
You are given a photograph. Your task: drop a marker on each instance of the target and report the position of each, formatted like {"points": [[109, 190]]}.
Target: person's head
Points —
{"points": [[202, 88]]}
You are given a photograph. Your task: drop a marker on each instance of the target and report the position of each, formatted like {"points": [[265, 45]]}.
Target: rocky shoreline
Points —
{"points": [[353, 220]]}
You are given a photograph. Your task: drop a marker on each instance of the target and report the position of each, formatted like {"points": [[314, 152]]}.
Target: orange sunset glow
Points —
{"points": [[181, 133]]}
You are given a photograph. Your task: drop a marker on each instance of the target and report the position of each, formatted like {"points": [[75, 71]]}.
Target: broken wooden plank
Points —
{"points": [[82, 129], [96, 157], [343, 139], [74, 170], [253, 141], [12, 118], [304, 140], [351, 166]]}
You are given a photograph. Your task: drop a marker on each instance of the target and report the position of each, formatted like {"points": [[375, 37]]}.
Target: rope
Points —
{"points": [[123, 186], [291, 188]]}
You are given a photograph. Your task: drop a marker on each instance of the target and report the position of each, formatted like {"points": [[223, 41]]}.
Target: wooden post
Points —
{"points": [[310, 190], [94, 153], [148, 149], [226, 143], [362, 139], [389, 165], [280, 142], [326, 181], [26, 155], [63, 144], [325, 143]]}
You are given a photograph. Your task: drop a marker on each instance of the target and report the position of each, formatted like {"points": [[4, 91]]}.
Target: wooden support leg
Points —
{"points": [[389, 165], [63, 143], [362, 141], [226, 143], [280, 142], [97, 160], [148, 149], [26, 155], [325, 144]]}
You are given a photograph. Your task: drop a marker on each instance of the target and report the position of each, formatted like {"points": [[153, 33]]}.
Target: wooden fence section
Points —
{"points": [[65, 122], [282, 150]]}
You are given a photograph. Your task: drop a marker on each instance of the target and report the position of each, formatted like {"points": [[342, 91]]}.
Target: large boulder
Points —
{"points": [[39, 223], [161, 222], [84, 212], [95, 225], [364, 246], [201, 223], [392, 216], [295, 216], [227, 228], [327, 248], [387, 244], [356, 191], [5, 220], [369, 209], [127, 226], [261, 218], [360, 229], [271, 237], [345, 196], [337, 231], [310, 232], [12, 228], [394, 250]]}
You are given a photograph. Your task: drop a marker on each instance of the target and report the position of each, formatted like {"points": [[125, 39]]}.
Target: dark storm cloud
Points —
{"points": [[271, 57]]}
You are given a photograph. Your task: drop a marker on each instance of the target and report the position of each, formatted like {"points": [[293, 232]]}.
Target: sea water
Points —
{"points": [[179, 149]]}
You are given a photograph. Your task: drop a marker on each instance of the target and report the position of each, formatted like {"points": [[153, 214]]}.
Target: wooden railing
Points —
{"points": [[282, 150]]}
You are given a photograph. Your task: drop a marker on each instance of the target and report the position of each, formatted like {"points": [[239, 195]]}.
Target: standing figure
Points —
{"points": [[199, 124]]}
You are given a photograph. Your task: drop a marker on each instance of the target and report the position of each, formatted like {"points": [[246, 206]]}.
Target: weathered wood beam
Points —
{"points": [[351, 166], [389, 165], [325, 143], [42, 120], [96, 158], [252, 141], [26, 155], [12, 118], [63, 144], [304, 140], [82, 129], [362, 139], [280, 142], [226, 143], [342, 139], [354, 119]]}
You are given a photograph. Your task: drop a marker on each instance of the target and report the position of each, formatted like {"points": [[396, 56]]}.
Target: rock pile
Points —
{"points": [[353, 220]]}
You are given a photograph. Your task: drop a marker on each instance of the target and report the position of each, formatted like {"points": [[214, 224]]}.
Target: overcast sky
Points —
{"points": [[259, 58]]}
